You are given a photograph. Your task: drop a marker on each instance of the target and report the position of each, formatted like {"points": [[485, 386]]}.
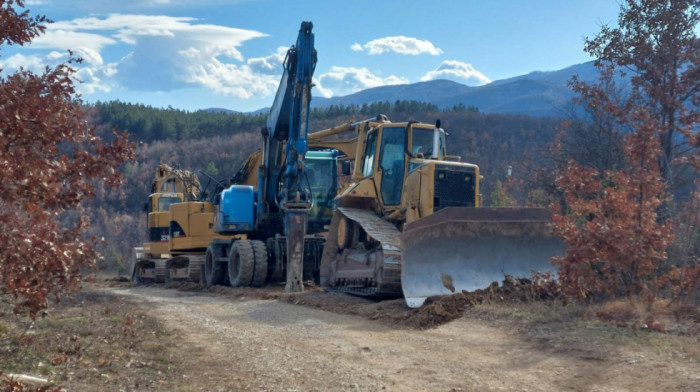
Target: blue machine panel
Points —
{"points": [[236, 210]]}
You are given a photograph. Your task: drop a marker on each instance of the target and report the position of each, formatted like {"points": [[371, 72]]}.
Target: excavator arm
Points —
{"points": [[281, 188]]}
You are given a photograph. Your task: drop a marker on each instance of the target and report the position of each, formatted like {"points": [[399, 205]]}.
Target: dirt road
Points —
{"points": [[267, 345]]}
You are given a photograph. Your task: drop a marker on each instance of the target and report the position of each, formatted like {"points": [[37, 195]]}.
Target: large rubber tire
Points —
{"points": [[241, 263], [214, 271], [261, 263]]}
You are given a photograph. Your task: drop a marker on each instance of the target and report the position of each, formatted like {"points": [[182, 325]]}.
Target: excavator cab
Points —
{"points": [[322, 180]]}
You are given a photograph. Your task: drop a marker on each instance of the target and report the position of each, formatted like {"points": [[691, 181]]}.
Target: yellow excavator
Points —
{"points": [[179, 229], [412, 220]]}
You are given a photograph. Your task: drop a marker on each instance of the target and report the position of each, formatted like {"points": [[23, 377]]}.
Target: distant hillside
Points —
{"points": [[431, 91], [220, 110], [537, 93]]}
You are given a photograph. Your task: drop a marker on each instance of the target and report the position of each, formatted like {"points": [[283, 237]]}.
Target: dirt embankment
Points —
{"points": [[439, 310], [436, 311]]}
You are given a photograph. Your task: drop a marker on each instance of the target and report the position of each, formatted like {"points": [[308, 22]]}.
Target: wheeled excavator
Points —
{"points": [[275, 193], [412, 221], [180, 222], [263, 223]]}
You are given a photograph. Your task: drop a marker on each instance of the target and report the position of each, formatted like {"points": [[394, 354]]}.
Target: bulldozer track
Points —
{"points": [[386, 281], [379, 229]]}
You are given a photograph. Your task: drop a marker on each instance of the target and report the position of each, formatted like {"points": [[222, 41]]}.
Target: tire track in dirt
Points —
{"points": [[267, 345]]}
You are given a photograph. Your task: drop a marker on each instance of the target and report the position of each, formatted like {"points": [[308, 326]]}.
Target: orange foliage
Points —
{"points": [[617, 222], [48, 164]]}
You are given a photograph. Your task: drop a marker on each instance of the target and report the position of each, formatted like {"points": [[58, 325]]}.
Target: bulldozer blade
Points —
{"points": [[459, 249]]}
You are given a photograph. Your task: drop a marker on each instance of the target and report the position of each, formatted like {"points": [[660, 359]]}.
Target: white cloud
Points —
{"points": [[232, 79], [130, 28], [91, 79], [95, 79], [398, 44], [347, 80], [459, 72], [67, 39], [53, 56], [89, 56], [108, 6], [269, 65], [15, 62], [167, 53]]}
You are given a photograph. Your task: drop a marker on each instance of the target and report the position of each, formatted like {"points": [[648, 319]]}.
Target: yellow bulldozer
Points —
{"points": [[412, 221]]}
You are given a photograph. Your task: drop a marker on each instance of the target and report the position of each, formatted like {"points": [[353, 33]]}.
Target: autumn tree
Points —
{"points": [[615, 220], [656, 46], [50, 160]]}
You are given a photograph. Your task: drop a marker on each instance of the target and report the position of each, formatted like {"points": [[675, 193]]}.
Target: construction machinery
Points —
{"points": [[179, 229], [412, 221], [264, 222], [276, 191]]}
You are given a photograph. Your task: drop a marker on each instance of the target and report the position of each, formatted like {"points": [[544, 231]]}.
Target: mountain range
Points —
{"points": [[539, 93]]}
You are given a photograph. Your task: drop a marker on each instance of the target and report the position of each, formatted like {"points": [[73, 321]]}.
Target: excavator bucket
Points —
{"points": [[459, 249]]}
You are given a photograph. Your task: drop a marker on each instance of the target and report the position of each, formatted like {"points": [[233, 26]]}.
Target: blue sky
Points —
{"points": [[194, 54]]}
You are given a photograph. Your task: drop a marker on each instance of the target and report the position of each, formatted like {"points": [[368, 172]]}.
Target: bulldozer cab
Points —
{"points": [[394, 153], [384, 162], [428, 143]]}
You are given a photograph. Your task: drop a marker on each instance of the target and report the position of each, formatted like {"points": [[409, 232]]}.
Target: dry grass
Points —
{"points": [[91, 339], [624, 324], [660, 316]]}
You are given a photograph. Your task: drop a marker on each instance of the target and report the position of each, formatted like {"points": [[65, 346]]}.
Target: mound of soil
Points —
{"points": [[441, 309], [436, 310]]}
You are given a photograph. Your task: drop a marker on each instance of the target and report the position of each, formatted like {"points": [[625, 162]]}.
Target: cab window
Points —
{"points": [[165, 202], [370, 150], [422, 141], [441, 145], [392, 164]]}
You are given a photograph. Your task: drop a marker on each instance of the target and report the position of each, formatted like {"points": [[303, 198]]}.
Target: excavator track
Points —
{"points": [[187, 268], [369, 267], [160, 271], [195, 268], [146, 270]]}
